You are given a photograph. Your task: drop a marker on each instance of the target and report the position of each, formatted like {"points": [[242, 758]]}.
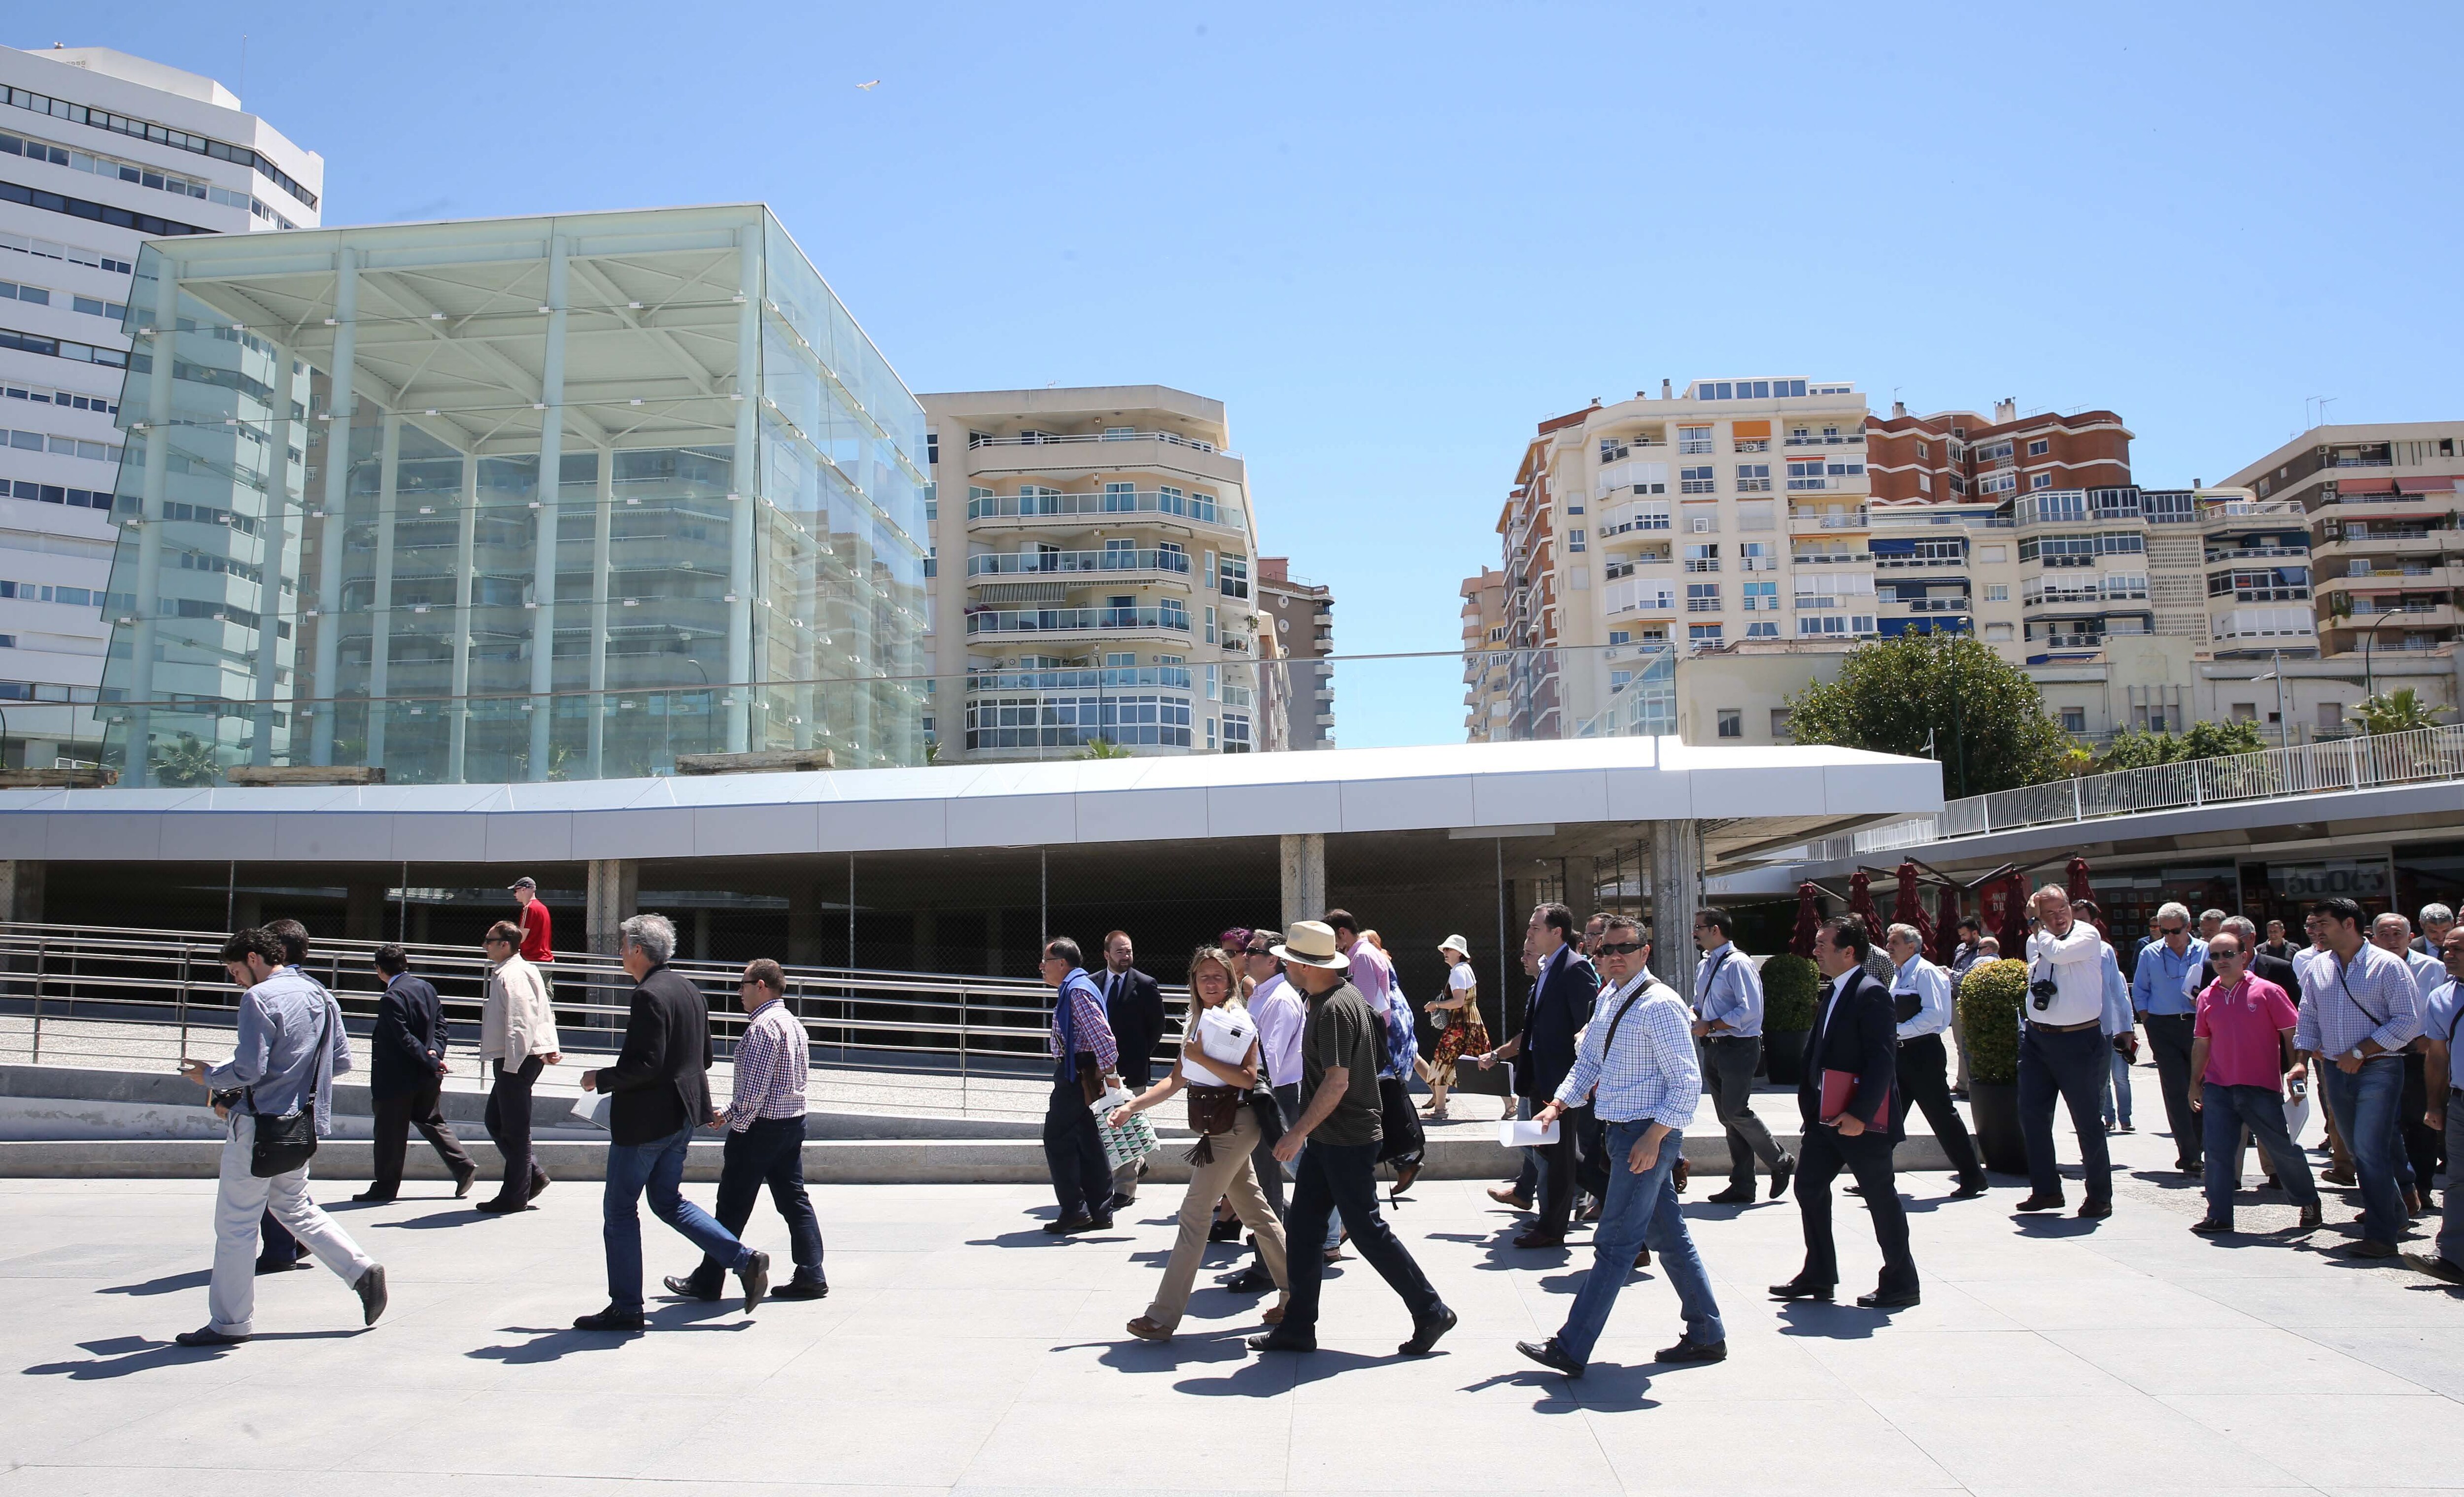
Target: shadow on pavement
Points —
{"points": [[169, 1284], [124, 1355]]}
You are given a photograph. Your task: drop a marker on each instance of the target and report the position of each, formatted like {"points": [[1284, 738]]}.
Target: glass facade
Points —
{"points": [[516, 499]]}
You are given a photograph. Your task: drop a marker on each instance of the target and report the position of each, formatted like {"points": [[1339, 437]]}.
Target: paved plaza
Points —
{"points": [[963, 1349]]}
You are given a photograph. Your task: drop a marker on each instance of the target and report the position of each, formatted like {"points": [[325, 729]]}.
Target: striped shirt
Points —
{"points": [[1080, 1011], [1654, 1074], [2371, 997], [771, 1062]]}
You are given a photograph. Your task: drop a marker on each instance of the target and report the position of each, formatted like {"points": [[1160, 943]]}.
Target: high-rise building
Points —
{"points": [[1489, 679], [2380, 507], [1953, 455], [1094, 552], [510, 499], [1301, 613], [99, 151]]}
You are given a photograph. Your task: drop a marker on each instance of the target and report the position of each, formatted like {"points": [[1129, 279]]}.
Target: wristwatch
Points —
{"points": [[2356, 1053]]}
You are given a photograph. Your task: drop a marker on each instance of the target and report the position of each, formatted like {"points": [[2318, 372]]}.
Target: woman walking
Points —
{"points": [[1227, 1132], [1457, 1017]]}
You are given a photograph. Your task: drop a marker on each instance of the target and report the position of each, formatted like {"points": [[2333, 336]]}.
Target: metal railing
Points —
{"points": [[2361, 763], [883, 1042], [1056, 439]]}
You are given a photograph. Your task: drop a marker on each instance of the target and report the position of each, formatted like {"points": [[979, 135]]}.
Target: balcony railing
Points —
{"points": [[1028, 563], [1052, 439], [1205, 507], [2422, 755], [1854, 520], [2218, 554], [1079, 679], [1929, 563], [1039, 621], [1932, 604], [1838, 440]]}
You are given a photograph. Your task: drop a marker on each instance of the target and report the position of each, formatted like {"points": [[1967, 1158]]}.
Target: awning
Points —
{"points": [[2402, 488], [1750, 431]]}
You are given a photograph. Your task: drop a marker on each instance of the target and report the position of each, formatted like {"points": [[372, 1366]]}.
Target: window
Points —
{"points": [[1703, 558], [1759, 556], [1999, 483], [1922, 450], [1762, 631], [2331, 716], [932, 562], [2073, 720], [1693, 440], [1210, 624], [1699, 635], [1997, 633], [1925, 483], [1236, 733], [1998, 592], [2245, 712], [1732, 722], [1576, 540], [1754, 478], [1702, 597], [1695, 480], [932, 448], [1620, 636], [2039, 447], [1761, 597], [1779, 723], [2043, 480], [1994, 553], [1233, 573]]}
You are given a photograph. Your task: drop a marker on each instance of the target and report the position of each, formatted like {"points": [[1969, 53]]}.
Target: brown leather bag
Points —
{"points": [[1214, 1111], [1090, 1079]]}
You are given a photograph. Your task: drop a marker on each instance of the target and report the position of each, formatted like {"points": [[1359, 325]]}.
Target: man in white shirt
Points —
{"points": [[2392, 933], [2062, 1052], [1920, 1002]]}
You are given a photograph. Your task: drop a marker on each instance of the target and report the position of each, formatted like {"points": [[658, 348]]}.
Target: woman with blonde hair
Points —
{"points": [[1227, 1133]]}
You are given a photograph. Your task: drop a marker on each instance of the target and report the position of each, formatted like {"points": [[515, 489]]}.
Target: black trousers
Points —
{"points": [[1560, 1166], [1924, 1080], [769, 1152], [1823, 1153], [1262, 1159], [1331, 1177], [2169, 1037], [2073, 1065], [509, 1126], [396, 1116], [2421, 1144], [1074, 1151]]}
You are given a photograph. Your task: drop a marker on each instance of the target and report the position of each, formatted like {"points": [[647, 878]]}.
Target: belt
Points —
{"points": [[1732, 1039], [1911, 1039], [2090, 1024]]}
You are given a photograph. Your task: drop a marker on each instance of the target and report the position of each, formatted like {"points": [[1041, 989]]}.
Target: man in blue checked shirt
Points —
{"points": [[2359, 1010], [1728, 1021], [2164, 998], [1637, 1066]]}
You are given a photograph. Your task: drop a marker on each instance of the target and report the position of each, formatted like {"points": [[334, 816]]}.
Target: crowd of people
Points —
{"points": [[1294, 1060]]}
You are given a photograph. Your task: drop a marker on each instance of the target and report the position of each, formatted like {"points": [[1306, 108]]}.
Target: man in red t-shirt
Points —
{"points": [[2238, 1047], [534, 929]]}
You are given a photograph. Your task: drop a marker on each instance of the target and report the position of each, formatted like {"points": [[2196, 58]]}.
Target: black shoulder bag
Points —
{"points": [[288, 1143]]}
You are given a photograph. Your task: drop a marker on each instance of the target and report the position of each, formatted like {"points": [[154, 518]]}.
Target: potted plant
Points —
{"points": [[1789, 983], [1989, 1000]]}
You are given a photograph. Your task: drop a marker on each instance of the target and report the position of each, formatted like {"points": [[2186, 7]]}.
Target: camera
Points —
{"points": [[2042, 990]]}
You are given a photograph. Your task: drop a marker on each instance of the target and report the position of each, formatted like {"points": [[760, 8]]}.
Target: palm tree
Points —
{"points": [[1104, 748], [189, 762], [2400, 710]]}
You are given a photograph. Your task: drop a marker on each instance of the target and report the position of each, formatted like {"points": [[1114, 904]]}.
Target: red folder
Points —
{"points": [[1838, 1089]]}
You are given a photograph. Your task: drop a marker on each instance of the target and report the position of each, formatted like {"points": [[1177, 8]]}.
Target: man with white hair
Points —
{"points": [[659, 1093], [2392, 933], [2062, 1048], [1921, 1006], [2164, 998], [2436, 920]]}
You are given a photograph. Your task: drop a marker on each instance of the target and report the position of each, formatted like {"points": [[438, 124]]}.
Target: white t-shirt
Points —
{"points": [[1459, 977]]}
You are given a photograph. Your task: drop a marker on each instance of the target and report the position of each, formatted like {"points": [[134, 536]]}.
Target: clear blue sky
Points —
{"points": [[1392, 238]]}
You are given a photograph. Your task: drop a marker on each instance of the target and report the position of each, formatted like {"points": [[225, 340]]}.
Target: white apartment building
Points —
{"points": [[99, 151], [1094, 576]]}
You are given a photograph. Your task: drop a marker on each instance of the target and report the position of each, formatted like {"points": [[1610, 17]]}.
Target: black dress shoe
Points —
{"points": [[1100, 1224], [1887, 1299], [266, 1265], [1643, 1258], [610, 1319], [1733, 1196], [1426, 1329], [1069, 1224], [462, 1183], [1536, 1239], [2095, 1210], [2036, 1203], [371, 1291], [1276, 1340], [1549, 1354], [2210, 1226], [374, 1197], [682, 1287], [208, 1335], [1118, 1202], [538, 1182], [2313, 1215], [1785, 1172], [2368, 1249], [1224, 1231], [1969, 1190], [802, 1290], [755, 1276], [1252, 1280], [501, 1206], [1799, 1289], [1693, 1352]]}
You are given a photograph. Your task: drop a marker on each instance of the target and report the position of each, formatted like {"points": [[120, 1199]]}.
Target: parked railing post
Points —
{"points": [[42, 954], [2077, 814], [184, 1001]]}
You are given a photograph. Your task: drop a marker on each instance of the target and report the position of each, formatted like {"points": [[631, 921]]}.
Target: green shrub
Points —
{"points": [[1989, 997], [1789, 983]]}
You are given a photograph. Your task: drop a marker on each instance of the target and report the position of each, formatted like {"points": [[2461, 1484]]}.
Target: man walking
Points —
{"points": [[290, 1047], [2440, 1013], [2360, 1009], [406, 1079], [659, 1093], [1084, 1060], [1133, 1006], [1852, 1109], [765, 1138], [2164, 998], [1637, 1070], [2065, 1048], [2436, 920], [1921, 1004], [1544, 1052], [1335, 1140], [516, 1040], [1728, 1021], [1276, 1006], [537, 944], [2239, 1057]]}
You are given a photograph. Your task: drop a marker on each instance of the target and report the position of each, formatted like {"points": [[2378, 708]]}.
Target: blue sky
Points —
{"points": [[1392, 238]]}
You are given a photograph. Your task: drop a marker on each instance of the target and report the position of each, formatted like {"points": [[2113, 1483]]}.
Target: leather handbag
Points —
{"points": [[287, 1143], [1215, 1111], [1400, 1135], [1090, 1079]]}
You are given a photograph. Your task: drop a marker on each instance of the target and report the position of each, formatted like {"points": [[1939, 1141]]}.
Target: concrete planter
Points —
{"points": [[1996, 1107], [1784, 1056]]}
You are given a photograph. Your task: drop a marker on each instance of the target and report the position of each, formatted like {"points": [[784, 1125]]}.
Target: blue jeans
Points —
{"points": [[659, 1168], [769, 1152], [1641, 1211], [2117, 1091], [2451, 1226], [2224, 1111], [2366, 1107]]}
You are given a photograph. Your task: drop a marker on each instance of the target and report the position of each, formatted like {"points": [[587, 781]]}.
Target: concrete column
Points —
{"points": [[551, 490], [466, 554], [601, 541], [1676, 894], [744, 478], [1303, 869], [381, 597], [137, 766], [363, 912], [808, 922], [334, 512], [615, 888], [275, 552], [21, 889]]}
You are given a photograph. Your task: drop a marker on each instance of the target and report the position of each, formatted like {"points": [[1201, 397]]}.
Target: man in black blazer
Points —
{"points": [[1563, 990], [406, 1079], [1855, 1031], [1133, 1006], [659, 1093]]}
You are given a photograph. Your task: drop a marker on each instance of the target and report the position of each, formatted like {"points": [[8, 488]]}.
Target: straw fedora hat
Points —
{"points": [[1312, 944], [1455, 944]]}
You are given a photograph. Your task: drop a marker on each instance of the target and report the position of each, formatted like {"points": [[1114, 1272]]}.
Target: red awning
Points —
{"points": [[2346, 488]]}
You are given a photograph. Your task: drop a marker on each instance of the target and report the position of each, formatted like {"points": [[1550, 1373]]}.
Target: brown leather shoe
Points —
{"points": [[1146, 1329], [1535, 1238], [1504, 1195]]}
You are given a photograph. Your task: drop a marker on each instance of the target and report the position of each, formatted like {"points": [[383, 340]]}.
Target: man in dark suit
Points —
{"points": [[659, 1093], [406, 1077], [1133, 1006], [1855, 1031], [1564, 988]]}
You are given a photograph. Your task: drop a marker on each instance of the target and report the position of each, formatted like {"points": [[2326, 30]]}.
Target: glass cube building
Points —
{"points": [[512, 500]]}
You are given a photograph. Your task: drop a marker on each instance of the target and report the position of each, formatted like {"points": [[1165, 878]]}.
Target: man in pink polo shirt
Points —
{"points": [[2239, 1052]]}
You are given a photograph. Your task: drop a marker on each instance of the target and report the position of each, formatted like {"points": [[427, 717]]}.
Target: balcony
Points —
{"points": [[1959, 604], [1202, 509], [1088, 567], [2221, 555], [1920, 563], [2279, 594], [2390, 543], [1160, 451], [1072, 621], [1054, 439], [1802, 520], [1752, 445], [1830, 439], [1075, 678]]}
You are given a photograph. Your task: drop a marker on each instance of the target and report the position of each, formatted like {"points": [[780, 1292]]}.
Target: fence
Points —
{"points": [[880, 1041], [2354, 763]]}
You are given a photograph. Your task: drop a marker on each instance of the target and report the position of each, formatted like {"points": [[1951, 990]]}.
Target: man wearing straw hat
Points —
{"points": [[1342, 1047]]}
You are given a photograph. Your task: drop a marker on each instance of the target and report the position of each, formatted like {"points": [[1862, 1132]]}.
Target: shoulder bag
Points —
{"points": [[287, 1143]]}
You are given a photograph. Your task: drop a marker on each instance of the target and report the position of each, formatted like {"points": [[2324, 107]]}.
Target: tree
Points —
{"points": [[1986, 719], [187, 761], [2400, 710], [1104, 748], [2136, 748]]}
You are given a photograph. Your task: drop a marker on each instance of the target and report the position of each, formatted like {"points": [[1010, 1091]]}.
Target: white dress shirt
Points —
{"points": [[2076, 962], [1932, 986]]}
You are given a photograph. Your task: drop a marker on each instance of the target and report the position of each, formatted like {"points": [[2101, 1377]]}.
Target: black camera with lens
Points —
{"points": [[2042, 990]]}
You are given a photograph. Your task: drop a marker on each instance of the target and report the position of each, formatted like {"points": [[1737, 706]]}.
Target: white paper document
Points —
{"points": [[592, 1107], [1225, 1034], [1515, 1133]]}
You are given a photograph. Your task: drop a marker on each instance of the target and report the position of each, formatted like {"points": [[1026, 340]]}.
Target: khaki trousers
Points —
{"points": [[1228, 1173]]}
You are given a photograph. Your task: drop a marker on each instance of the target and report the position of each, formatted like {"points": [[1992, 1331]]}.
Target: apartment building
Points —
{"points": [[99, 151], [1094, 560], [1956, 455], [2379, 505], [1299, 618], [1488, 682]]}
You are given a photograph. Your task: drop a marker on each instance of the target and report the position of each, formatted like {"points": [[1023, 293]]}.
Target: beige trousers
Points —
{"points": [[1227, 1175]]}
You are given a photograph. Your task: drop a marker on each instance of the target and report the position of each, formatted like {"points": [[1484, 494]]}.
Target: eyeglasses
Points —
{"points": [[2222, 956], [2170, 930], [1617, 948]]}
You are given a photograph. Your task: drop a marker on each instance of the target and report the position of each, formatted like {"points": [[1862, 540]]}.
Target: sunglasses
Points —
{"points": [[2170, 930], [1617, 948], [2222, 956]]}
